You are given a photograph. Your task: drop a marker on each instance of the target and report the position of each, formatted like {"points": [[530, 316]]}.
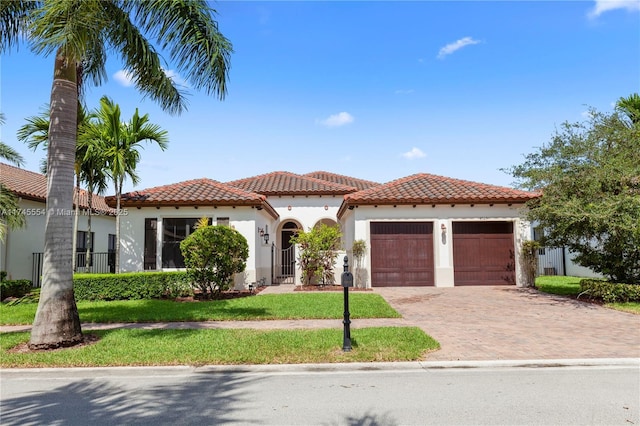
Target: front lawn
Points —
{"points": [[136, 347], [259, 307], [570, 286]]}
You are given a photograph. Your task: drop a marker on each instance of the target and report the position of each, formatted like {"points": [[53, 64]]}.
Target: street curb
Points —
{"points": [[363, 367]]}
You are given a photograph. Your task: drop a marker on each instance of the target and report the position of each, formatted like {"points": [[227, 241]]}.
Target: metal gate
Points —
{"points": [[283, 265]]}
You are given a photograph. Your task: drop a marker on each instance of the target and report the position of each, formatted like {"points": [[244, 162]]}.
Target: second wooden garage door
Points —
{"points": [[483, 253], [401, 254]]}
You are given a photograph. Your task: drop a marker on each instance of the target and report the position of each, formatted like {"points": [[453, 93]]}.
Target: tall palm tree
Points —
{"points": [[80, 33], [10, 213], [121, 142], [35, 133]]}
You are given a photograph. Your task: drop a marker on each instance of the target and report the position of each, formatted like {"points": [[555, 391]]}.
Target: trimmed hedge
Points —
{"points": [[14, 288], [131, 286], [610, 292]]}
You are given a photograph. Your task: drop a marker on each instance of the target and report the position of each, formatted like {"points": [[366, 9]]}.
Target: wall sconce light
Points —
{"points": [[264, 233], [443, 227]]}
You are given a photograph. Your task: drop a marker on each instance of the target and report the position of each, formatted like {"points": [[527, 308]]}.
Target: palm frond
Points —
{"points": [[142, 61], [36, 132], [14, 22], [11, 215], [188, 31]]}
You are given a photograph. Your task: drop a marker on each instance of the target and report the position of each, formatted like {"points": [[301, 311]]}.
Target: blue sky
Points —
{"points": [[375, 90]]}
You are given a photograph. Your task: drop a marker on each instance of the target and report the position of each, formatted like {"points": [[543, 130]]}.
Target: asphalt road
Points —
{"points": [[590, 392]]}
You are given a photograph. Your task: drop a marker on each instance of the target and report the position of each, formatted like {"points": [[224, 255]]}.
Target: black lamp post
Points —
{"points": [[346, 279]]}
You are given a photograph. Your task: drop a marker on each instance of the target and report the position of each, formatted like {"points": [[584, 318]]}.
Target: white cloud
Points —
{"points": [[603, 6], [175, 77], [337, 120], [414, 153], [456, 45], [124, 77], [404, 92]]}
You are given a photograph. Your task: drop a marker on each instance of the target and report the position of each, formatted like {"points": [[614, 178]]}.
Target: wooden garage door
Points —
{"points": [[401, 254], [483, 253]]}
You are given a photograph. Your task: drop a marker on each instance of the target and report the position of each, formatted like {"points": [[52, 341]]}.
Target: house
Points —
{"points": [[421, 230], [21, 252]]}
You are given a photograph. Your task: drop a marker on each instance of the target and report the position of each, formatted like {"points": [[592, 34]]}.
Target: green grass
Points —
{"points": [[301, 305], [555, 284], [632, 307], [136, 347], [570, 286]]}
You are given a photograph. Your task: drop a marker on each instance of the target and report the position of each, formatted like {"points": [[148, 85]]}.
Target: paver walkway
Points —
{"points": [[476, 323]]}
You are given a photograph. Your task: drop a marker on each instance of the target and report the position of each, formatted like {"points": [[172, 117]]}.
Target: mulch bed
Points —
{"points": [[224, 295], [328, 288], [23, 348]]}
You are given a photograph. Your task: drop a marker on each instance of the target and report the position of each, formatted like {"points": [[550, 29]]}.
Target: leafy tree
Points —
{"points": [[212, 255], [318, 251], [120, 143], [589, 176], [79, 34], [10, 214]]}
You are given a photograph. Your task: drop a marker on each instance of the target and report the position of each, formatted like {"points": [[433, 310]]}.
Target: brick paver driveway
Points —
{"points": [[483, 323]]}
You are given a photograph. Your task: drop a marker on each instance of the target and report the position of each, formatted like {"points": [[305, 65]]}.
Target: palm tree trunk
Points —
{"points": [[76, 214], [88, 258], [118, 194], [57, 322]]}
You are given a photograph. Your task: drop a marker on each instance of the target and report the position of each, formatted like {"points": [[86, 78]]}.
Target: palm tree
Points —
{"points": [[630, 107], [80, 33], [121, 142], [35, 134], [10, 213]]}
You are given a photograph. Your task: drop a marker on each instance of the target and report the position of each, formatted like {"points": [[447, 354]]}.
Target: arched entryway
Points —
{"points": [[285, 254]]}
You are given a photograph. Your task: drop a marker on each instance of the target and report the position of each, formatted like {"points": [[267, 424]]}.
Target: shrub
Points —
{"points": [[359, 250], [14, 288], [131, 286], [318, 251], [610, 292], [213, 254], [529, 261]]}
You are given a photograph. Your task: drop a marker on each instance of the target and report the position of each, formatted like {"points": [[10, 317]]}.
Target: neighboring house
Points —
{"points": [[559, 260], [421, 230], [21, 252]]}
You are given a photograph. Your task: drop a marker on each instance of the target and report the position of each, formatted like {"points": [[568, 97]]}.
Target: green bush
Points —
{"points": [[14, 288], [610, 292], [213, 254], [131, 286]]}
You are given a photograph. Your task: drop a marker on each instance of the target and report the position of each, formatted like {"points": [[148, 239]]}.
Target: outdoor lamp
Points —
{"points": [[266, 234]]}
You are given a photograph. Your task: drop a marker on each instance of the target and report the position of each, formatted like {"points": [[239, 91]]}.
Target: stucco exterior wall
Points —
{"points": [[245, 220], [16, 254]]}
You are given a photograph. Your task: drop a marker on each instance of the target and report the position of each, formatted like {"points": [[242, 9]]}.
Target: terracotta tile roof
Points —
{"points": [[426, 188], [286, 183], [33, 186], [196, 192], [359, 184]]}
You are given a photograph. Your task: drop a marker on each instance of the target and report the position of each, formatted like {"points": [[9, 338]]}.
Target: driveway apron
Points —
{"points": [[499, 323]]}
